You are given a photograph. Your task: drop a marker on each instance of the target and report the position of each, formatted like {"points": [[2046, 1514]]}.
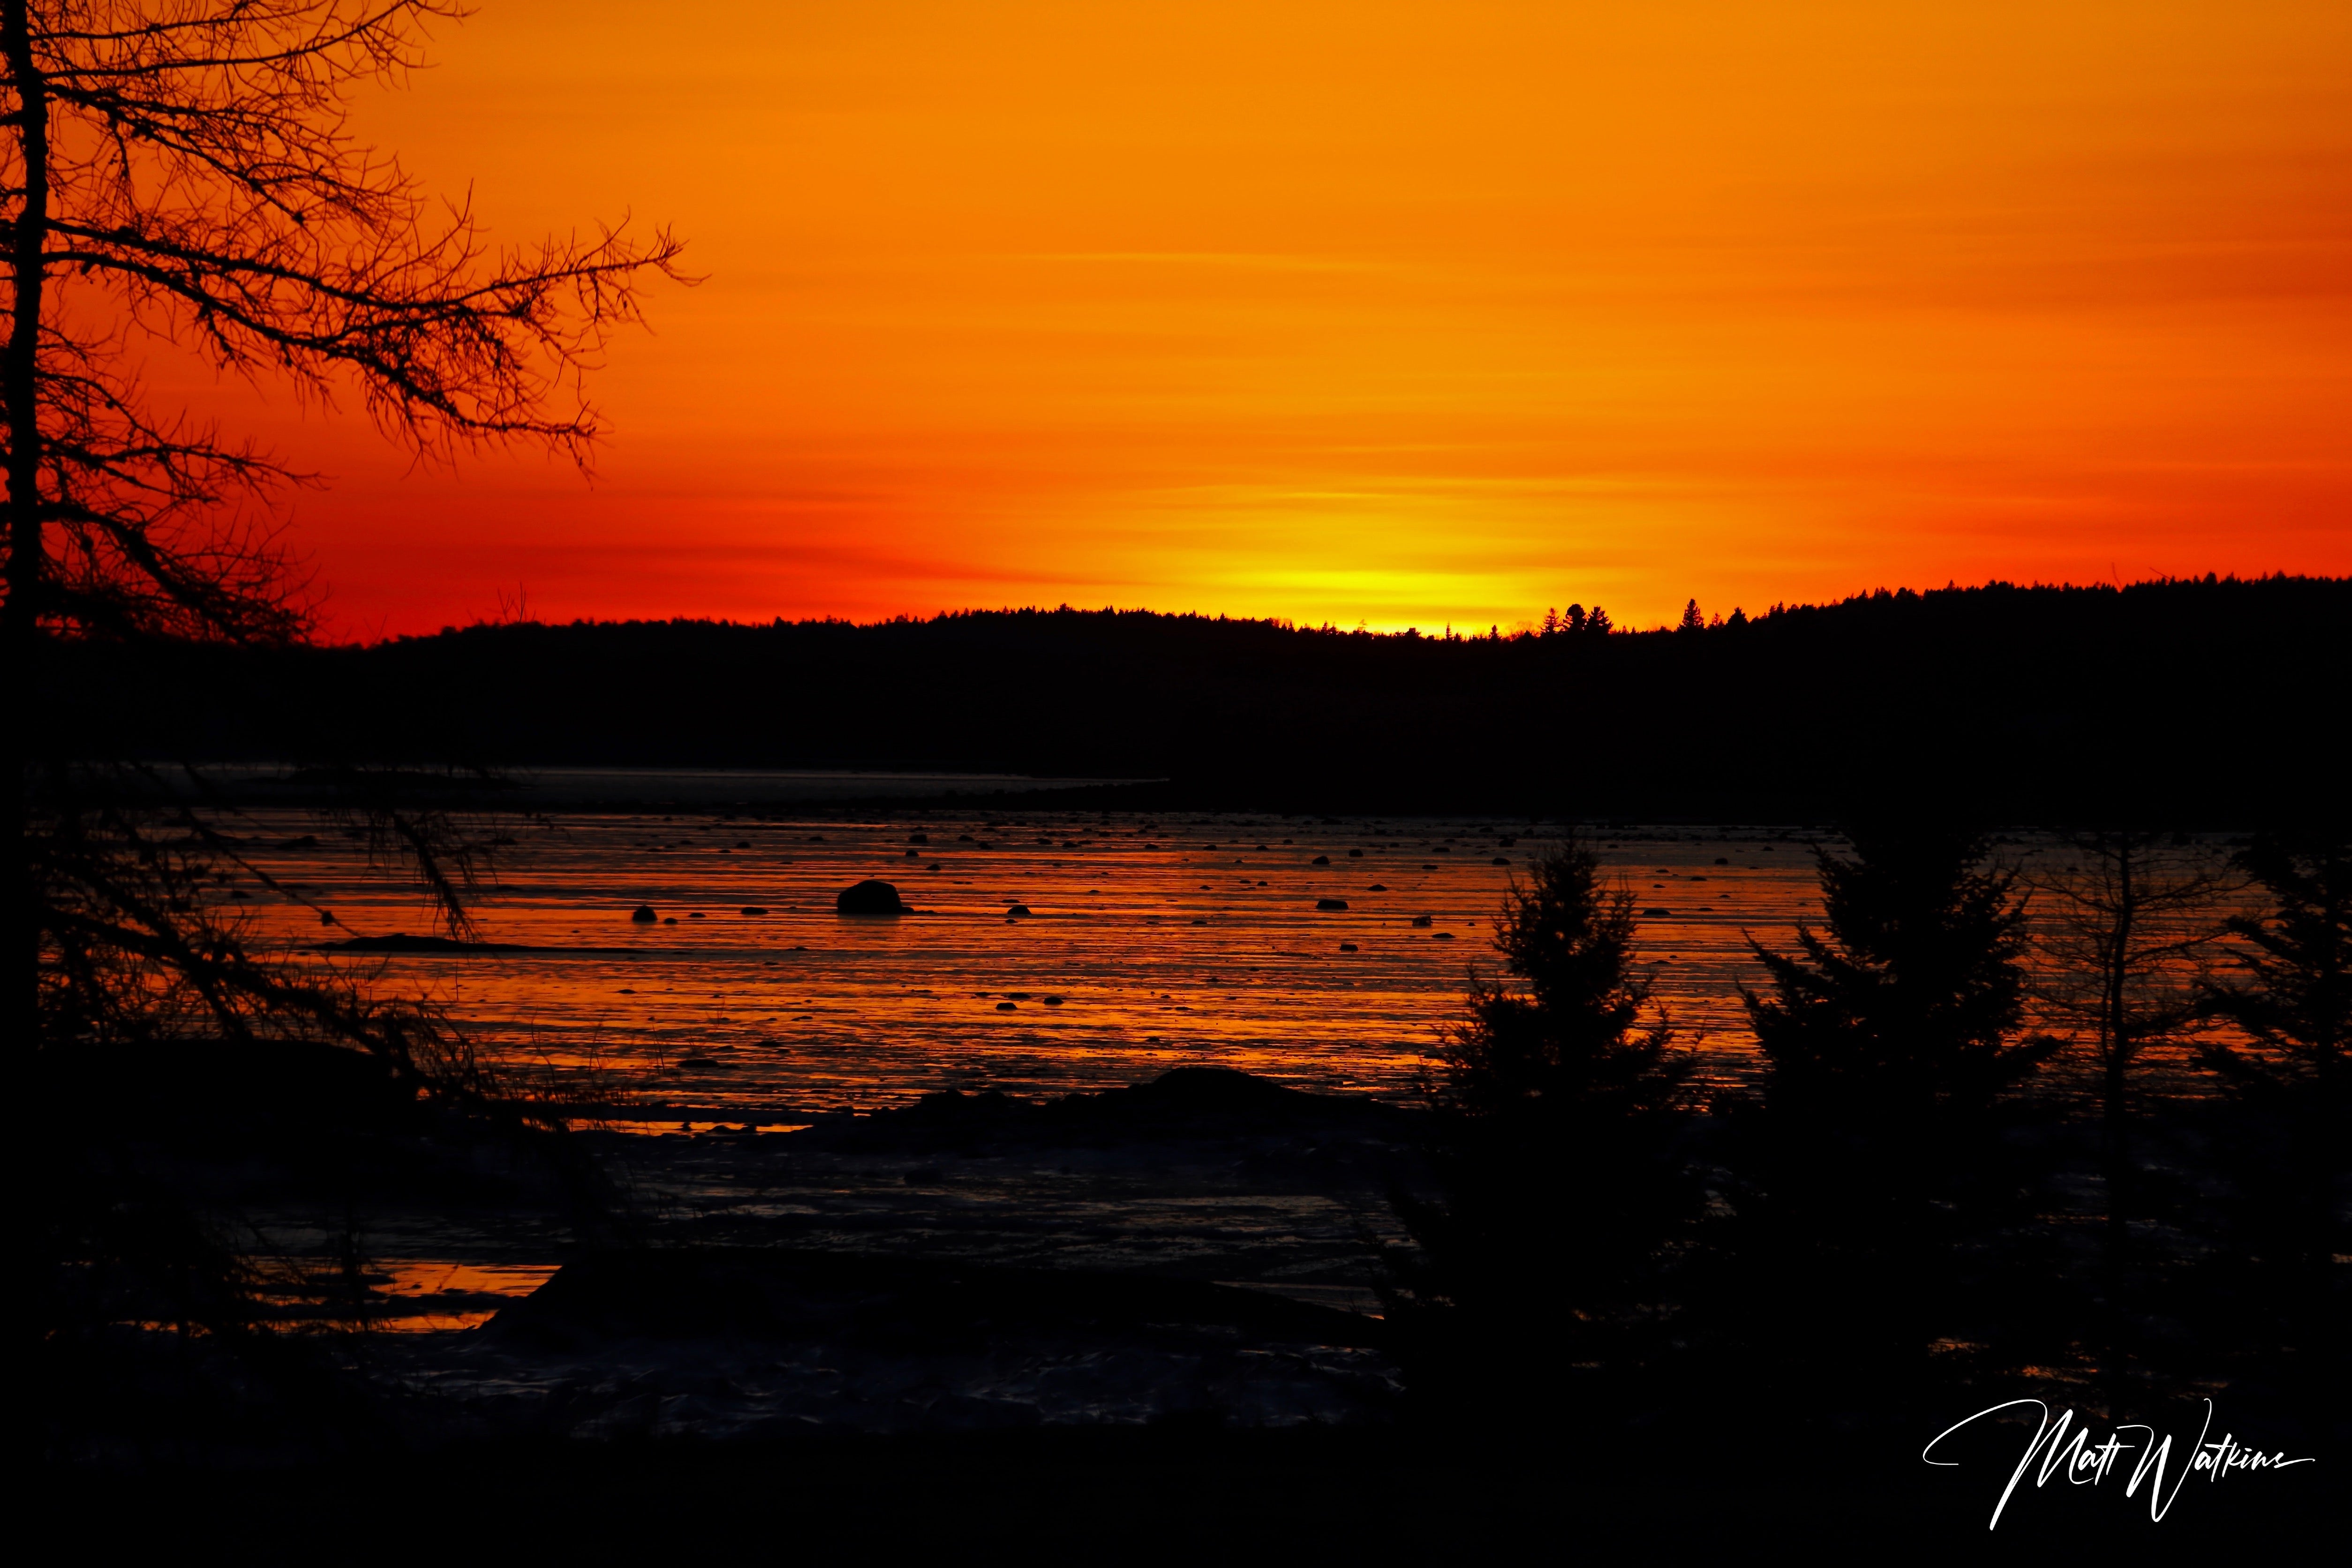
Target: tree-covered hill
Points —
{"points": [[2211, 700]]}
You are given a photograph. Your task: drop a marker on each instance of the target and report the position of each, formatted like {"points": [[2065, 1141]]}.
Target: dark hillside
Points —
{"points": [[2207, 700]]}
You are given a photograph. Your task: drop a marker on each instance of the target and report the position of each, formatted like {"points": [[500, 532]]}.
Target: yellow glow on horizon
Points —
{"points": [[1399, 313]]}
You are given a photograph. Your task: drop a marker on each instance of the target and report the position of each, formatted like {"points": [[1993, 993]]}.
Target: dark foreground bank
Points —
{"points": [[1157, 1494]]}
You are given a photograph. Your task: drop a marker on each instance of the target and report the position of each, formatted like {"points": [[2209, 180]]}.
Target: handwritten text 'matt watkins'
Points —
{"points": [[2081, 1461]]}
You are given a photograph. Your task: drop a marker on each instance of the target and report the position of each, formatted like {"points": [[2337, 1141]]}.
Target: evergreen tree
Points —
{"points": [[1870, 1176], [2295, 998], [1562, 1168], [2289, 1157], [1905, 1004]]}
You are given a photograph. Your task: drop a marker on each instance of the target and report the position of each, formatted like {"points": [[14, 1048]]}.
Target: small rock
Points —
{"points": [[1657, 914], [1350, 947], [755, 909], [1016, 911], [1441, 936], [1330, 903], [1424, 920], [1006, 1007], [1322, 860], [1501, 859]]}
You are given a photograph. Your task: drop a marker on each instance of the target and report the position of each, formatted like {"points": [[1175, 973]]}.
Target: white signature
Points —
{"points": [[2085, 1463]]}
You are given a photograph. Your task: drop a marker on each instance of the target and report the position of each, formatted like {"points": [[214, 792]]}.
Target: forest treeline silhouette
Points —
{"points": [[1922, 1206], [2185, 700]]}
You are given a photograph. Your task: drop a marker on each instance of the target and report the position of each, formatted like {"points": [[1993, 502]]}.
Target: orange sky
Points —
{"points": [[1393, 312]]}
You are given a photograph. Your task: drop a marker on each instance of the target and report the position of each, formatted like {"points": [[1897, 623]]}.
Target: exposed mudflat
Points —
{"points": [[1204, 1246]]}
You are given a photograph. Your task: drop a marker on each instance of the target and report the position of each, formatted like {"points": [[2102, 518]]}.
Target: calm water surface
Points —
{"points": [[1148, 944]]}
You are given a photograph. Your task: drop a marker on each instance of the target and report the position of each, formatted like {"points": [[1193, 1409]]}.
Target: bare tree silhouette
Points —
{"points": [[185, 170], [2130, 929]]}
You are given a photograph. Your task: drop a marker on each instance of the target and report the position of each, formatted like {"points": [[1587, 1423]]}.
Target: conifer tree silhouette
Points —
{"points": [[1868, 1168], [1562, 1169], [2289, 1151]]}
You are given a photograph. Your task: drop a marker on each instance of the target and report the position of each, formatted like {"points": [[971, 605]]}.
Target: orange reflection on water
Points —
{"points": [[1148, 944], [397, 1295]]}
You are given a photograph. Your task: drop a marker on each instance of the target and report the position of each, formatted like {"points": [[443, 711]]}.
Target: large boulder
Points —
{"points": [[871, 896]]}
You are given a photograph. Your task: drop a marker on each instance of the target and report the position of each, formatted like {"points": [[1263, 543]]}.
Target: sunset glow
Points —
{"points": [[1396, 313]]}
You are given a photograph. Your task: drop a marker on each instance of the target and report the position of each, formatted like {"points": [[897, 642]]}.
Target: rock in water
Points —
{"points": [[1330, 903], [644, 915], [871, 896]]}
